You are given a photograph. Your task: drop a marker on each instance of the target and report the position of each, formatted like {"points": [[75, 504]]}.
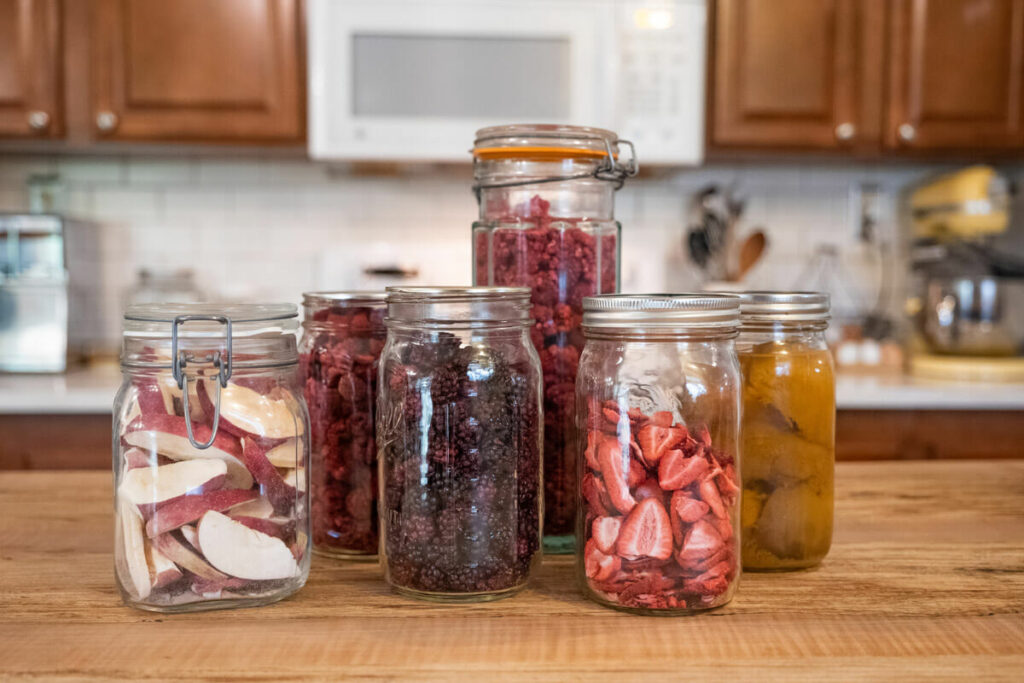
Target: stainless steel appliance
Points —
{"points": [[33, 294], [413, 80]]}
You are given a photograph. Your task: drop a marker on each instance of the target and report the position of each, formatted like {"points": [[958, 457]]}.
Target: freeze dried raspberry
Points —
{"points": [[665, 511], [561, 263], [461, 461], [340, 366]]}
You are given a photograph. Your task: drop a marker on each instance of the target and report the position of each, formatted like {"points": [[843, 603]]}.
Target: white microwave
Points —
{"points": [[414, 79]]}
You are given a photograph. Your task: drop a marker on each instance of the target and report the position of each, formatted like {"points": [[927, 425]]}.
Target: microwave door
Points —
{"points": [[415, 80]]}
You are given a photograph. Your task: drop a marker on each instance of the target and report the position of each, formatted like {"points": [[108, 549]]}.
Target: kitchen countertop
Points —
{"points": [[91, 390], [924, 580]]}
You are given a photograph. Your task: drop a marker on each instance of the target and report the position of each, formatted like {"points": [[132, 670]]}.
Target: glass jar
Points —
{"points": [[788, 432], [459, 441], [658, 391], [343, 334], [210, 458], [547, 221]]}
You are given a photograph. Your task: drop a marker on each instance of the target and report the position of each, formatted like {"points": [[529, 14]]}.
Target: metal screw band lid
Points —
{"points": [[352, 297], [784, 307], [458, 304], [662, 311]]}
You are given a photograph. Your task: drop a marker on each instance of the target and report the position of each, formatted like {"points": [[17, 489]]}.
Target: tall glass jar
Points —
{"points": [[343, 335], [210, 458], [659, 397], [458, 436], [788, 433], [547, 221]]}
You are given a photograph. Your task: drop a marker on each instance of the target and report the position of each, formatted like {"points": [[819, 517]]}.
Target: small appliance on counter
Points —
{"points": [[33, 294], [967, 289]]}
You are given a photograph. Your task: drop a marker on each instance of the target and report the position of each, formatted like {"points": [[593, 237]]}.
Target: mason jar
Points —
{"points": [[659, 397], [343, 335], [210, 458], [459, 443], [546, 197], [788, 431]]}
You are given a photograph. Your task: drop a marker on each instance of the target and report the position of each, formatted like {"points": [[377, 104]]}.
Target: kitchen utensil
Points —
{"points": [[751, 250], [977, 316]]}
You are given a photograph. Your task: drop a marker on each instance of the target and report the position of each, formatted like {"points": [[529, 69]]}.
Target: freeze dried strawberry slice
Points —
{"points": [[709, 493], [662, 418], [596, 495], [687, 509], [647, 532], [702, 541], [597, 565], [610, 457], [727, 486], [590, 454], [677, 471], [649, 489], [605, 532], [637, 473], [657, 441]]}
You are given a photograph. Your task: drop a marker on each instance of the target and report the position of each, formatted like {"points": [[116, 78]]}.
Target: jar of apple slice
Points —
{"points": [[210, 458], [658, 390]]}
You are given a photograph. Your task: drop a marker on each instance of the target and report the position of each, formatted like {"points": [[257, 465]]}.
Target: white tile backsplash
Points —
{"points": [[270, 227]]}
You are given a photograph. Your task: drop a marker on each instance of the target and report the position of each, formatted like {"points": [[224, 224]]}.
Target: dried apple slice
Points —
{"points": [[239, 551], [155, 486], [188, 509], [189, 533], [131, 562], [278, 528], [286, 454], [260, 507], [162, 572], [153, 397], [167, 435], [280, 493], [178, 553], [245, 412], [295, 478]]}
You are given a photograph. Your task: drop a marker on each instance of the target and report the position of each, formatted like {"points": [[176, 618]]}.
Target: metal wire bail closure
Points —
{"points": [[222, 363]]}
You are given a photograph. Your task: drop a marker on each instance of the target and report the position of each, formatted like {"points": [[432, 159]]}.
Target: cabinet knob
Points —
{"points": [[906, 132], [845, 131], [38, 120], [106, 121]]}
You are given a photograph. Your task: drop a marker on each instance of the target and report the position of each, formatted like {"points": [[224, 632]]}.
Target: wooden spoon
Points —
{"points": [[750, 251]]}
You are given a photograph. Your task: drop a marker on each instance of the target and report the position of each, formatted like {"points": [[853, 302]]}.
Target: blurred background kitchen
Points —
{"points": [[256, 149]]}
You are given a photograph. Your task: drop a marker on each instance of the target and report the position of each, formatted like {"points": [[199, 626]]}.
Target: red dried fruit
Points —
{"points": [[605, 532], [701, 541], [709, 492], [688, 509], [677, 471], [590, 454], [611, 458], [662, 418], [596, 495], [637, 473], [647, 532], [727, 485], [656, 441], [649, 489], [598, 565]]}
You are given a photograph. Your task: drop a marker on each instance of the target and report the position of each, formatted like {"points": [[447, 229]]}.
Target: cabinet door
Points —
{"points": [[786, 74], [30, 102], [197, 70], [956, 70]]}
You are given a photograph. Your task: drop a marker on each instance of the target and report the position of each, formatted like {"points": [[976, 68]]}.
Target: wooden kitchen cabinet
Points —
{"points": [[30, 69], [194, 70], [792, 74], [956, 72]]}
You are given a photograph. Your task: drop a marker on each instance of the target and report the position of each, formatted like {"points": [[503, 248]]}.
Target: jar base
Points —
{"points": [[346, 555], [560, 545], [457, 598], [240, 602], [652, 612]]}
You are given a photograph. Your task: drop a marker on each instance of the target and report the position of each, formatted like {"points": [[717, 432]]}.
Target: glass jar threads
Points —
{"points": [[788, 431], [458, 436], [210, 458], [343, 335], [658, 391], [546, 196]]}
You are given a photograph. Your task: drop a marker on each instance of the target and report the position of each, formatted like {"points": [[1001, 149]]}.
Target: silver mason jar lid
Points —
{"points": [[664, 312], [355, 298], [458, 305], [784, 307]]}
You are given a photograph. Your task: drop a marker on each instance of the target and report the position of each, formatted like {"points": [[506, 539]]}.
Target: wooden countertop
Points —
{"points": [[926, 578]]}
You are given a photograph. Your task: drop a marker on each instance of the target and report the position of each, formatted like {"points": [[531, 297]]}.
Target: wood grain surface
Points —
{"points": [[925, 580]]}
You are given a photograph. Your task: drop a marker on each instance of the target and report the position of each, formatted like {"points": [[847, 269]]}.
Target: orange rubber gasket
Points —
{"points": [[536, 152]]}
